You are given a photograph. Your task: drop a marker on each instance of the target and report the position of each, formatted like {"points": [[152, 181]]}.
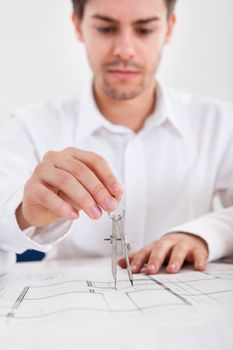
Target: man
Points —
{"points": [[163, 154]]}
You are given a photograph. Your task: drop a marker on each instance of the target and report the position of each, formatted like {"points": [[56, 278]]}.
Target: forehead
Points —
{"points": [[126, 10]]}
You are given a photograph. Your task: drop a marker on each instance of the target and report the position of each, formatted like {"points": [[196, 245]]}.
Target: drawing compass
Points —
{"points": [[118, 234]]}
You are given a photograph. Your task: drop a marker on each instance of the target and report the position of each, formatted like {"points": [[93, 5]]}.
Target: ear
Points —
{"points": [[170, 28], [77, 26]]}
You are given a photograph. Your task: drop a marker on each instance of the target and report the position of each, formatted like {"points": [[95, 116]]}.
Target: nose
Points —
{"points": [[123, 48]]}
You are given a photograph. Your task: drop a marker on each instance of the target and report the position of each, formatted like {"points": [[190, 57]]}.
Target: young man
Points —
{"points": [[163, 154]]}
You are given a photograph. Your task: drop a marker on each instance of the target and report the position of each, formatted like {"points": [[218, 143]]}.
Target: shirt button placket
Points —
{"points": [[135, 180]]}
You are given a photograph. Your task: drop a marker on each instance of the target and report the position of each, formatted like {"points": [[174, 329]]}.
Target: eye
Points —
{"points": [[107, 30], [144, 31]]}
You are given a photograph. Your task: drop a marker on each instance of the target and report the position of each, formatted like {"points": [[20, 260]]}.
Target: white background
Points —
{"points": [[40, 58]]}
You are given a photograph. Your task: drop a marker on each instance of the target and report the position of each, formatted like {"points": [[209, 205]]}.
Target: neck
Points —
{"points": [[130, 113]]}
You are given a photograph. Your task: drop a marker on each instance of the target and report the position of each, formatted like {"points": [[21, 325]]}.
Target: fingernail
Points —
{"points": [[151, 268], [172, 267], [134, 268], [74, 214], [116, 187], [95, 212], [200, 265], [110, 203]]}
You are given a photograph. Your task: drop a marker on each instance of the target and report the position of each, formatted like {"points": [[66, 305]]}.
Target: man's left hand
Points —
{"points": [[173, 249]]}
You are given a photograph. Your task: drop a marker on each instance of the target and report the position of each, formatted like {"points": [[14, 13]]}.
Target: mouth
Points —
{"points": [[123, 74]]}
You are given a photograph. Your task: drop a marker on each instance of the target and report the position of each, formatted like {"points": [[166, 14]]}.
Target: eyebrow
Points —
{"points": [[138, 21]]}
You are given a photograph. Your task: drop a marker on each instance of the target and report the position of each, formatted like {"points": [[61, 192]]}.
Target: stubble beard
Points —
{"points": [[124, 93], [117, 94]]}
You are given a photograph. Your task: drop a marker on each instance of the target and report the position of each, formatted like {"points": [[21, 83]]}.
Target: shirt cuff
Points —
{"points": [[7, 261], [15, 240], [216, 229]]}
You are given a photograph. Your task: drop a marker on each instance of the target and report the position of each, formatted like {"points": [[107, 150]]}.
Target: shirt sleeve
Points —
{"points": [[217, 228], [19, 155], [224, 181]]}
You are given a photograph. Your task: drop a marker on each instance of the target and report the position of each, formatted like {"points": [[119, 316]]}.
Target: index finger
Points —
{"points": [[102, 170]]}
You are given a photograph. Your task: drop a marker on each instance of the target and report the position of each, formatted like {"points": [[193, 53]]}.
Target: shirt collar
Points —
{"points": [[90, 119], [166, 111]]}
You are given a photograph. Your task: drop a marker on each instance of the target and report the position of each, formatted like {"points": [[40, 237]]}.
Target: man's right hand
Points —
{"points": [[66, 182]]}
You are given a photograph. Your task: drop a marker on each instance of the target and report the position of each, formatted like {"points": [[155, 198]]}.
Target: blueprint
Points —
{"points": [[81, 290], [83, 297]]}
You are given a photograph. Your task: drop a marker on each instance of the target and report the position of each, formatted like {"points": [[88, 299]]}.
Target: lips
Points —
{"points": [[123, 74]]}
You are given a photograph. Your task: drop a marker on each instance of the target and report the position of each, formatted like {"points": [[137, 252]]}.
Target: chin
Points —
{"points": [[123, 95], [123, 92]]}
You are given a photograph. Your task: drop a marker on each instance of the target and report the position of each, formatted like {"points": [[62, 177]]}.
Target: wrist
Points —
{"points": [[22, 222]]}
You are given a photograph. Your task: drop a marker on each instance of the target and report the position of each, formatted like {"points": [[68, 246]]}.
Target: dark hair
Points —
{"points": [[79, 6]]}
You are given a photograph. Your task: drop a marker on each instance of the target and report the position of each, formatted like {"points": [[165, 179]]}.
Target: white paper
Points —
{"points": [[83, 299]]}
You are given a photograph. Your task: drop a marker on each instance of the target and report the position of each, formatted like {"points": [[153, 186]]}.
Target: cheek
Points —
{"points": [[154, 50], [99, 51], [151, 56]]}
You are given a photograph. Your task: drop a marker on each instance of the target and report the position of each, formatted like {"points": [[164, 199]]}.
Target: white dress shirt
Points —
{"points": [[170, 170]]}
